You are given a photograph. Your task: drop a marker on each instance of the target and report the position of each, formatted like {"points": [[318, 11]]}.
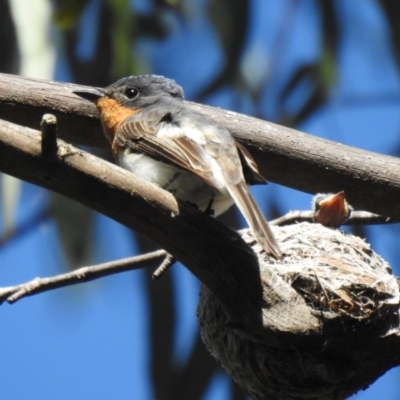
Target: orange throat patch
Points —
{"points": [[112, 114]]}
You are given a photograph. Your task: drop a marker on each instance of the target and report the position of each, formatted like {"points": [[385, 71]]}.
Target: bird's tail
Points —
{"points": [[254, 217]]}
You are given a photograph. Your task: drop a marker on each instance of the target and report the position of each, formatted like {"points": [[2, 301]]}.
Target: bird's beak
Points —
{"points": [[333, 210], [92, 94]]}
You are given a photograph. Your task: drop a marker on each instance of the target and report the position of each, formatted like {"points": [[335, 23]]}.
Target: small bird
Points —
{"points": [[331, 210], [156, 136]]}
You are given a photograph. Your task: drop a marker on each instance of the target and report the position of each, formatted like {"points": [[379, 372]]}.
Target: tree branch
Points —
{"points": [[11, 294], [356, 218], [285, 156], [217, 258]]}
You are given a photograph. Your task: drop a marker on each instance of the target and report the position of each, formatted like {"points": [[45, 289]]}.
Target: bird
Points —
{"points": [[154, 134], [331, 210]]}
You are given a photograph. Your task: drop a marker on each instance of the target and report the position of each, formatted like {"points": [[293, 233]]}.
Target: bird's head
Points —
{"points": [[135, 91], [331, 210]]}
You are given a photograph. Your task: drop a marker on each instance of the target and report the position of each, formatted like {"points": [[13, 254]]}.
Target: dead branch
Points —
{"points": [[356, 218], [11, 294]]}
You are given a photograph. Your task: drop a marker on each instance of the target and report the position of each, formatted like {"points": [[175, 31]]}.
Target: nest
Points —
{"points": [[330, 310]]}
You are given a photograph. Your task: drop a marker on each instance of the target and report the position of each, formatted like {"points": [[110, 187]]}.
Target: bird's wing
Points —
{"points": [[250, 169], [156, 135]]}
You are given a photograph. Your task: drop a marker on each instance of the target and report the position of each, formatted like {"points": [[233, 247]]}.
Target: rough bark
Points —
{"points": [[285, 156]]}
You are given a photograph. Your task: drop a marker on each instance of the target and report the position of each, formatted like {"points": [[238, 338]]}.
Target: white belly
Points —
{"points": [[183, 185]]}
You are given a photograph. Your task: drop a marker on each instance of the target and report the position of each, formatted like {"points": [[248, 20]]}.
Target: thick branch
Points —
{"points": [[288, 157], [220, 259]]}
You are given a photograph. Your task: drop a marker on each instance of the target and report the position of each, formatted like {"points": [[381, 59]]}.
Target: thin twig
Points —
{"points": [[356, 218], [367, 218], [85, 274], [168, 261]]}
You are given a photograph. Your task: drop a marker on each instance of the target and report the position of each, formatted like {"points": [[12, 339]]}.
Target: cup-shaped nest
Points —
{"points": [[329, 315]]}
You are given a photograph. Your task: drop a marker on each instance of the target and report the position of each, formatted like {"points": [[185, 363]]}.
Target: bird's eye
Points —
{"points": [[131, 93]]}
